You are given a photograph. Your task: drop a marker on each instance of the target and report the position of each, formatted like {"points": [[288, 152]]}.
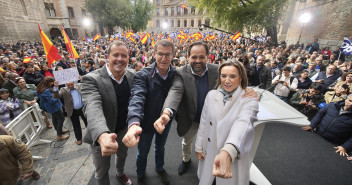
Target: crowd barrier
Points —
{"points": [[27, 127]]}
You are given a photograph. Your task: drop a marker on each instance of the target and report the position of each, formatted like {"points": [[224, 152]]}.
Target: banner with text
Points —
{"points": [[66, 75]]}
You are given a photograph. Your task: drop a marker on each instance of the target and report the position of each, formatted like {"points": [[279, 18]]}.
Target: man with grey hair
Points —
{"points": [[10, 84], [150, 88]]}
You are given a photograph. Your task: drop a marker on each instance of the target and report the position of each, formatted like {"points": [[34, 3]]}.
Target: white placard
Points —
{"points": [[66, 75]]}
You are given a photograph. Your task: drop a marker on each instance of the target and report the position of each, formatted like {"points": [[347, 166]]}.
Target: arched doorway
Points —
{"points": [[55, 32]]}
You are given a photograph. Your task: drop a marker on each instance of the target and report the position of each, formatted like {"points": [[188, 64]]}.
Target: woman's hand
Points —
{"points": [[200, 156], [222, 165], [27, 102]]}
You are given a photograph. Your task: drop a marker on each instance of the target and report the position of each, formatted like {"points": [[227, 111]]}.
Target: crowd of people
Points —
{"points": [[129, 92]]}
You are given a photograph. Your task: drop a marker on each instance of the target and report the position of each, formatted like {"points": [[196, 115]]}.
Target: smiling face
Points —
{"points": [[118, 59], [21, 83], [198, 59], [230, 78], [163, 58]]}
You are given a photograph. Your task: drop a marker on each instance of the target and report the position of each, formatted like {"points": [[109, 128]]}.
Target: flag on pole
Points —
{"points": [[69, 46], [52, 54], [347, 46], [27, 60], [97, 36], [236, 36]]}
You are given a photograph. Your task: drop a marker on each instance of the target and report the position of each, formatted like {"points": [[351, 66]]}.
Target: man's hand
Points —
{"points": [[349, 158], [27, 175], [131, 138], [108, 144], [222, 165], [160, 123], [56, 84], [286, 84], [341, 150], [200, 156], [307, 128], [250, 93]]}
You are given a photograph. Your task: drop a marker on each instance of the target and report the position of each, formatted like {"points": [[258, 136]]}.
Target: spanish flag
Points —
{"points": [[144, 39], [69, 46], [97, 36], [236, 36], [84, 39], [27, 60], [52, 54], [1, 70]]}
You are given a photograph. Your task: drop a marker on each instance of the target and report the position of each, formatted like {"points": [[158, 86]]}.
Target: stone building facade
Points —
{"points": [[169, 16], [20, 19], [330, 21]]}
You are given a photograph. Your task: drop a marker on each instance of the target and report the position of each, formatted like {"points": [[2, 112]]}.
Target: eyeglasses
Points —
{"points": [[167, 55]]}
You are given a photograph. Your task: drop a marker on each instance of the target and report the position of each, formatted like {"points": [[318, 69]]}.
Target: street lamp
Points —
{"points": [[165, 26], [304, 19], [86, 22]]}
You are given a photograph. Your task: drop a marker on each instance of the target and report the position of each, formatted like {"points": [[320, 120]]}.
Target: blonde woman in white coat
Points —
{"points": [[225, 135]]}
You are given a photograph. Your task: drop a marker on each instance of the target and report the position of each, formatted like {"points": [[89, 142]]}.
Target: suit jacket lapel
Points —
{"points": [[109, 87], [190, 79], [130, 78], [212, 76]]}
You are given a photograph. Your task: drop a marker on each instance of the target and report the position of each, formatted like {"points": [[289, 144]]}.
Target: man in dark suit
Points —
{"points": [[64, 62], [10, 83], [106, 112], [260, 74], [326, 78]]}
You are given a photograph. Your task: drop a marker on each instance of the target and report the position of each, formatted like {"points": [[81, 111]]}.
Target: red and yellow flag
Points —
{"points": [[27, 60], [144, 38], [236, 36], [52, 54], [69, 46], [97, 36], [84, 39], [1, 70]]}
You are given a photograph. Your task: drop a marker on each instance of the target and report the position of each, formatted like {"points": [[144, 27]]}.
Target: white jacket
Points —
{"points": [[220, 124]]}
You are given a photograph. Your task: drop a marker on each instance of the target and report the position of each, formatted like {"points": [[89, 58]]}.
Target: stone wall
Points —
{"points": [[331, 21], [19, 20]]}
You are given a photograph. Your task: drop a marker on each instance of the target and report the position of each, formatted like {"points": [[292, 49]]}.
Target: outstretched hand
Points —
{"points": [[131, 138], [222, 165], [307, 128], [341, 150], [160, 123], [108, 144]]}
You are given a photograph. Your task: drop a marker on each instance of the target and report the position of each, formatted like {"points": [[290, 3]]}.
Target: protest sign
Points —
{"points": [[66, 75]]}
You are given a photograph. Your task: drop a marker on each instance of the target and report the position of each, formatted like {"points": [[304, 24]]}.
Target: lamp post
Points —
{"points": [[165, 26], [304, 19], [86, 24]]}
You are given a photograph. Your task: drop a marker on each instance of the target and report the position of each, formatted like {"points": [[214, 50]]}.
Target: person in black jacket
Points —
{"points": [[149, 91], [31, 76], [334, 123]]}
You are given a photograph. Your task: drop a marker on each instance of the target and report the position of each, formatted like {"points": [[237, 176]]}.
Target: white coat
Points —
{"points": [[220, 124]]}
